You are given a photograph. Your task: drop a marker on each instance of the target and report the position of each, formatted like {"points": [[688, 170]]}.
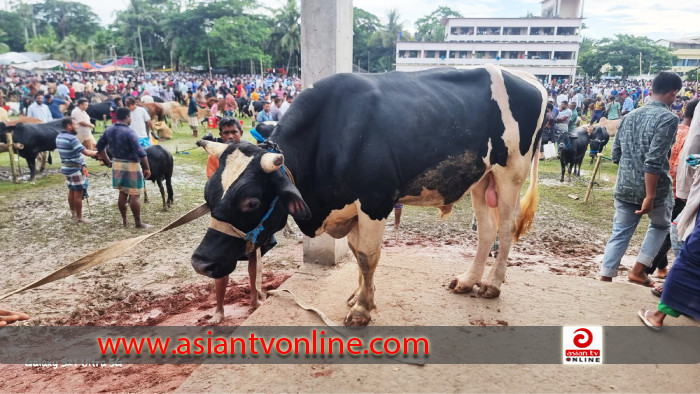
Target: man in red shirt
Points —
{"points": [[71, 91], [110, 88]]}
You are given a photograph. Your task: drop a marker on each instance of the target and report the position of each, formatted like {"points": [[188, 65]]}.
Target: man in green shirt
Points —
{"points": [[642, 149]]}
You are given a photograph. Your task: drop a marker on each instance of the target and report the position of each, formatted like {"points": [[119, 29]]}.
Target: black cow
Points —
{"points": [[242, 104], [99, 111], [34, 138], [572, 149], [351, 162], [254, 107], [161, 163], [599, 139]]}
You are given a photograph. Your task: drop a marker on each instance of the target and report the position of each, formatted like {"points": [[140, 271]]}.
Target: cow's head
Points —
{"points": [[599, 138], [248, 185], [563, 143]]}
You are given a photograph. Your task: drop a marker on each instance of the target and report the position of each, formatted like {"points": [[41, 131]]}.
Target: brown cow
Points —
{"points": [[155, 110]]}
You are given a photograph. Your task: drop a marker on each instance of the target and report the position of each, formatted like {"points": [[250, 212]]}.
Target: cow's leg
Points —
{"points": [[365, 240], [508, 212], [572, 167], [31, 163], [563, 170], [42, 157], [162, 193], [487, 231], [169, 188]]}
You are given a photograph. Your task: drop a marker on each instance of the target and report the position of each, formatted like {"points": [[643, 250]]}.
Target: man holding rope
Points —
{"points": [[126, 173], [73, 166]]}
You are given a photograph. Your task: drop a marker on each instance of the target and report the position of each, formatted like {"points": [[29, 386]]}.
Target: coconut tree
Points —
{"points": [[385, 39], [286, 37]]}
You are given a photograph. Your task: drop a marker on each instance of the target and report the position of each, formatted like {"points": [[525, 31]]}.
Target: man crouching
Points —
{"points": [[230, 131]]}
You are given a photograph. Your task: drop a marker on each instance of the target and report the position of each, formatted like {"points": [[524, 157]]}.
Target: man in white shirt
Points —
{"points": [[140, 122], [562, 97], [84, 130], [39, 110], [285, 105]]}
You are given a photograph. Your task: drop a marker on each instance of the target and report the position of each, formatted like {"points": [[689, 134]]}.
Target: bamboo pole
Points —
{"points": [[595, 171], [11, 149]]}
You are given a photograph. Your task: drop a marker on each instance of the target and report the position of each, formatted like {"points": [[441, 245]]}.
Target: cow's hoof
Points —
{"points": [[358, 316], [461, 287], [489, 291]]}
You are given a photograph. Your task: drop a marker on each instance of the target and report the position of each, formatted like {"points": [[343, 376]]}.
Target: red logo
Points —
{"points": [[584, 339]]}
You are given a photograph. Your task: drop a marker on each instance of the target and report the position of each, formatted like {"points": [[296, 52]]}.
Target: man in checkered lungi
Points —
{"points": [[73, 166], [127, 153]]}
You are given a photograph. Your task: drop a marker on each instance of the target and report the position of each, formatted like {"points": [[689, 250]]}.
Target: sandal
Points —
{"points": [[657, 291], [647, 283], [642, 313]]}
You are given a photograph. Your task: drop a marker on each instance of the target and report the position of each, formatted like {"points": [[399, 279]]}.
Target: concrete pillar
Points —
{"points": [[326, 49]]}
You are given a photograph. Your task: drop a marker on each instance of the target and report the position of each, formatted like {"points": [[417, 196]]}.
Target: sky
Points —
{"points": [[604, 18]]}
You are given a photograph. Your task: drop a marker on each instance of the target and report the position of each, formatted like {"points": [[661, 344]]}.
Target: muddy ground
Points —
{"points": [[154, 283]]}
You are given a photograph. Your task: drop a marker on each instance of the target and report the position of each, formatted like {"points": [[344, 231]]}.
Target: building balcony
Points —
{"points": [[501, 62], [513, 38]]}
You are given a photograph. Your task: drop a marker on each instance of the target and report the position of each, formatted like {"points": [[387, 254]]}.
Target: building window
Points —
{"points": [[563, 55], [566, 31], [514, 31], [488, 31]]}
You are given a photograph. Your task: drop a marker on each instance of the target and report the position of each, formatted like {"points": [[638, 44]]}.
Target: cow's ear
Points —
{"points": [[292, 201], [213, 148]]}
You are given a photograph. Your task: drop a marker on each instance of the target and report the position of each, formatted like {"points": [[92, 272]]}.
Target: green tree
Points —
{"points": [[692, 75], [11, 23], [624, 50], [363, 26], [286, 37], [430, 27], [66, 18], [589, 59], [251, 36], [383, 43], [49, 44]]}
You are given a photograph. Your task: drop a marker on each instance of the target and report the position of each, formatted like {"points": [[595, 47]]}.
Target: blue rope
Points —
{"points": [[252, 235], [257, 135]]}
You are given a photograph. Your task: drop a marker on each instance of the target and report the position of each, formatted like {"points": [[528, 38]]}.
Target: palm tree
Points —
{"points": [[386, 38], [287, 34], [137, 15], [46, 44]]}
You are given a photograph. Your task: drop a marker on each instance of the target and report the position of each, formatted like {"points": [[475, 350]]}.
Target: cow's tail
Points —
{"points": [[528, 204]]}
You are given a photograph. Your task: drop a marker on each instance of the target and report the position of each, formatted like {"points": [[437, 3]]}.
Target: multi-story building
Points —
{"points": [[688, 52], [545, 46]]}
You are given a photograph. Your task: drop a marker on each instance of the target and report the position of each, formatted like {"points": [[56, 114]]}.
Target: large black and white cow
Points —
{"points": [[33, 138], [350, 165]]}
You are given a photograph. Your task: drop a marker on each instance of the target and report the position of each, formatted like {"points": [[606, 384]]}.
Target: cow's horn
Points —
{"points": [[271, 162], [213, 148]]}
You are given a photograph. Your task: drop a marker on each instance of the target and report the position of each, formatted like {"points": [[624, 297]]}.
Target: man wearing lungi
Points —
{"points": [[73, 166], [126, 172]]}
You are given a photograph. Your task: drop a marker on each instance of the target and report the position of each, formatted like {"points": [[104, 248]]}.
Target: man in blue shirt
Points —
{"points": [[54, 105], [265, 115], [127, 175], [192, 113], [73, 167], [62, 90], [627, 106]]}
